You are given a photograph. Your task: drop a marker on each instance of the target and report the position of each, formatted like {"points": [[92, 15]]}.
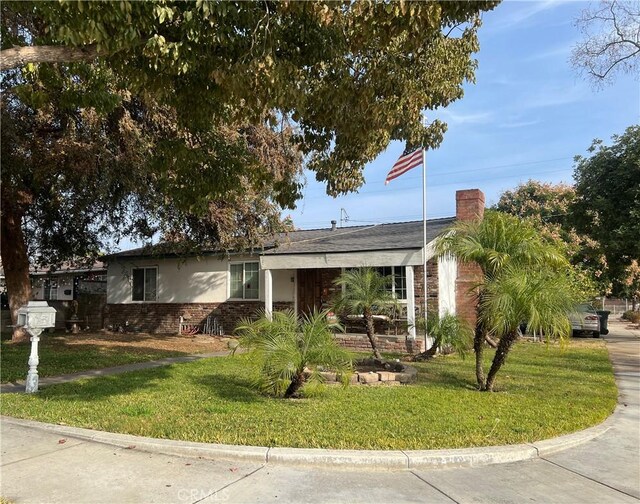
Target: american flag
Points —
{"points": [[408, 160]]}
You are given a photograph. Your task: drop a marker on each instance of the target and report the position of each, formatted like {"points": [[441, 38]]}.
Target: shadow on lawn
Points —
{"points": [[230, 387], [97, 389], [57, 357]]}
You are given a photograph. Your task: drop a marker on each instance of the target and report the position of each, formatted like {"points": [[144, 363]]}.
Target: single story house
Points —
{"points": [[163, 293], [61, 286]]}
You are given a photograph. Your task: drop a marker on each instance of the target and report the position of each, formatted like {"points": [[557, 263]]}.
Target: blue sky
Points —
{"points": [[526, 117]]}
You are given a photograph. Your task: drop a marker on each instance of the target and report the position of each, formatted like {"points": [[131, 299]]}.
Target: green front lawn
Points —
{"points": [[58, 357], [541, 392]]}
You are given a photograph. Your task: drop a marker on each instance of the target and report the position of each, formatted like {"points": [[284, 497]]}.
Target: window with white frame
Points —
{"points": [[398, 284], [51, 289], [244, 280], [145, 284]]}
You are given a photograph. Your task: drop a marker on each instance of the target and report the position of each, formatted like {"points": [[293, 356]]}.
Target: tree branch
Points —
{"points": [[18, 56]]}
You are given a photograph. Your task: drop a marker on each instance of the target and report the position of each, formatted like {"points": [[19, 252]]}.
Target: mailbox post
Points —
{"points": [[35, 317]]}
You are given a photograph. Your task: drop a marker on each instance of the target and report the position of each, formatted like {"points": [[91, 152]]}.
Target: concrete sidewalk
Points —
{"points": [[40, 465]]}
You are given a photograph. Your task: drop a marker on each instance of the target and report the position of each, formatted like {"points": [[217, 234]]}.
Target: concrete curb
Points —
{"points": [[355, 459]]}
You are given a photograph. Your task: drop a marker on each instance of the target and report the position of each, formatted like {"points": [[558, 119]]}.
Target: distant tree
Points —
{"points": [[522, 280], [288, 349], [607, 205], [548, 207], [363, 292], [611, 40]]}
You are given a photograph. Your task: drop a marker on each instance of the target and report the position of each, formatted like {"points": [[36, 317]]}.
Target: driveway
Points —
{"points": [[40, 466]]}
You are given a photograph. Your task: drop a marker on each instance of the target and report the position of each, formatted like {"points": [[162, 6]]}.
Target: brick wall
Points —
{"points": [[395, 344], [164, 318], [469, 207], [432, 286]]}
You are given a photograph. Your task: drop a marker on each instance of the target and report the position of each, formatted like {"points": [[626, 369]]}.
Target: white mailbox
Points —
{"points": [[35, 317]]}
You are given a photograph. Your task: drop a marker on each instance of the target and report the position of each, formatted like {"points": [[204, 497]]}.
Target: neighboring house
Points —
{"points": [[159, 292], [68, 282], [61, 286]]}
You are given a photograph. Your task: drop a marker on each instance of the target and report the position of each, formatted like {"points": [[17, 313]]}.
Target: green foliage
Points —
{"points": [[497, 241], [540, 296], [332, 69], [450, 333], [550, 393], [549, 207], [57, 357], [286, 347], [607, 208], [523, 279], [632, 316], [364, 292]]}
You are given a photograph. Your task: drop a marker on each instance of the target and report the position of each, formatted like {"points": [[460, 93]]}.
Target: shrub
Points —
{"points": [[632, 316]]}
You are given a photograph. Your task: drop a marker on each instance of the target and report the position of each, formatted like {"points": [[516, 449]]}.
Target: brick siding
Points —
{"points": [[164, 318], [395, 344], [469, 207]]}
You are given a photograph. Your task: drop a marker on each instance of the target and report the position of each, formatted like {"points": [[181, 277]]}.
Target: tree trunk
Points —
{"points": [[371, 331], [478, 347], [19, 56], [498, 359], [429, 354], [490, 341], [295, 385], [15, 262]]}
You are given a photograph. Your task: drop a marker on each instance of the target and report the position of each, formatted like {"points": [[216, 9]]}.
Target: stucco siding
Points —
{"points": [[178, 281]]}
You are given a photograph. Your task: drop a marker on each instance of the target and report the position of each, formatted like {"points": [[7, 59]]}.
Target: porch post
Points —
{"points": [[268, 293], [411, 302]]}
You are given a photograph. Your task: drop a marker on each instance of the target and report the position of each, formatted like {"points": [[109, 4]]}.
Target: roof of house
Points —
{"points": [[393, 236], [66, 268]]}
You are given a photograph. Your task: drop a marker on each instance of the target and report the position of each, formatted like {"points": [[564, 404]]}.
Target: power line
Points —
{"points": [[495, 167], [484, 179]]}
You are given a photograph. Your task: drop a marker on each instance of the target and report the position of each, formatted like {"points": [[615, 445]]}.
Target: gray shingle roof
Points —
{"points": [[400, 235], [394, 236]]}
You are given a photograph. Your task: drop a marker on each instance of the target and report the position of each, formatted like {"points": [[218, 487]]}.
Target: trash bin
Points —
{"points": [[604, 320]]}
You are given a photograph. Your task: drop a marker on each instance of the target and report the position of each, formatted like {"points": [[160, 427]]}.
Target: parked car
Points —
{"points": [[585, 320]]}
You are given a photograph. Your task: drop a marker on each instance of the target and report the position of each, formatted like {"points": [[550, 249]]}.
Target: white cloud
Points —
{"points": [[515, 13], [461, 118]]}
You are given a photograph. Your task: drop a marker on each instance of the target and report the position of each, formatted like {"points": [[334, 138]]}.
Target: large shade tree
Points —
{"points": [[210, 84], [607, 205], [523, 279]]}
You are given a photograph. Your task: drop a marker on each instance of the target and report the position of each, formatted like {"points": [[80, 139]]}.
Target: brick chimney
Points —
{"points": [[469, 204], [469, 207]]}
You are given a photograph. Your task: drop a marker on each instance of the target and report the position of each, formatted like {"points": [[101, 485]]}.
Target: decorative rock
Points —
{"points": [[353, 380], [368, 377], [386, 376], [405, 377], [328, 377]]}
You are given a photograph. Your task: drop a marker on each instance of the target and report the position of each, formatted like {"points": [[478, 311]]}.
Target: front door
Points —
{"points": [[309, 290]]}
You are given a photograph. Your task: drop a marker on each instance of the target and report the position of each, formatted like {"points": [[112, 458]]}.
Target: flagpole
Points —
{"points": [[424, 238]]}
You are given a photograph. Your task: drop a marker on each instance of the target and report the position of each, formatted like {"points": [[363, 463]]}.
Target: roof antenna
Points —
{"points": [[344, 216]]}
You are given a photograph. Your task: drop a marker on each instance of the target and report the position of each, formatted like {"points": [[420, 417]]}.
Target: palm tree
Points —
{"points": [[504, 246], [285, 347], [363, 292], [541, 296], [448, 331]]}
